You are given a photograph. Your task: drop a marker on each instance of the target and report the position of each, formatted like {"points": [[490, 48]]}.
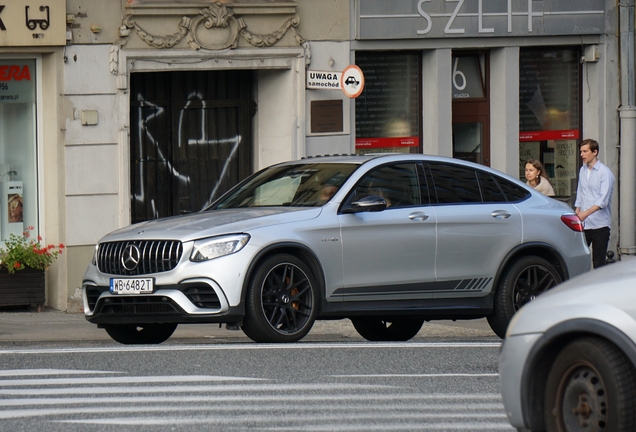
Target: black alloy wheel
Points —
{"points": [[591, 388], [381, 330], [520, 283], [281, 303], [133, 334]]}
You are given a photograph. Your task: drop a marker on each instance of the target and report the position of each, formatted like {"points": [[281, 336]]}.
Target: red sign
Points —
{"points": [[362, 143], [549, 135], [7, 73]]}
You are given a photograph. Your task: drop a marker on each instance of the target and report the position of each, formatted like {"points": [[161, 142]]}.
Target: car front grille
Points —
{"points": [[149, 256]]}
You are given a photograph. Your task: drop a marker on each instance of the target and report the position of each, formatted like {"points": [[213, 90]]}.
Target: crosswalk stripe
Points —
{"points": [[255, 346]]}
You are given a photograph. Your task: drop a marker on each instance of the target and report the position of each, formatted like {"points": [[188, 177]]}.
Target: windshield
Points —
{"points": [[301, 185]]}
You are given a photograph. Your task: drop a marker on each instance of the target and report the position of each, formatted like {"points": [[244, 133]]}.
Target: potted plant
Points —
{"points": [[22, 264]]}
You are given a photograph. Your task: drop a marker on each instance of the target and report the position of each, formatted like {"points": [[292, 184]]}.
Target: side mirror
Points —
{"points": [[370, 203]]}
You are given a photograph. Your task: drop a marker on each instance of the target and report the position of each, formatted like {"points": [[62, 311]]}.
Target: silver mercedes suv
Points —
{"points": [[388, 241]]}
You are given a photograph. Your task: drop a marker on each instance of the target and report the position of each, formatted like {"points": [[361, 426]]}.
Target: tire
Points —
{"points": [[590, 387], [520, 283], [380, 330], [281, 303], [133, 334]]}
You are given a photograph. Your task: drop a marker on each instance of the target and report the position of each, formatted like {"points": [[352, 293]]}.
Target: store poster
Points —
{"points": [[565, 163], [13, 206]]}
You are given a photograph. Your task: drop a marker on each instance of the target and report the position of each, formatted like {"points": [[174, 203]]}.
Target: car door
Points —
{"points": [[476, 228], [389, 254]]}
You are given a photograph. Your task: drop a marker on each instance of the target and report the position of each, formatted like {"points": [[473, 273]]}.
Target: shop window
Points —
{"points": [[18, 171], [388, 110], [549, 114]]}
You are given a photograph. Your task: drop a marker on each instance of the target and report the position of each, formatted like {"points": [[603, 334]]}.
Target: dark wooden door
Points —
{"points": [[191, 139]]}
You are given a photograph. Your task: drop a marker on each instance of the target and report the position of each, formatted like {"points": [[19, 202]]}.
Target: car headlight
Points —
{"points": [[214, 247]]}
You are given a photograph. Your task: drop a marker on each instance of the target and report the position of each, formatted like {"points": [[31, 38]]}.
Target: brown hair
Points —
{"points": [[536, 163], [592, 143]]}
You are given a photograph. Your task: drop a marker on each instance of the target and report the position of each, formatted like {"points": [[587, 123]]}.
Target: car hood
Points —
{"points": [[604, 294], [211, 223]]}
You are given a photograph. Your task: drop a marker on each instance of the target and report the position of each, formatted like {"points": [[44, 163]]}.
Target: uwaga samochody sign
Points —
{"points": [[32, 23], [414, 19]]}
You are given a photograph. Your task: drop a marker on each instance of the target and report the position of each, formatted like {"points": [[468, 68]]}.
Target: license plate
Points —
{"points": [[132, 286]]}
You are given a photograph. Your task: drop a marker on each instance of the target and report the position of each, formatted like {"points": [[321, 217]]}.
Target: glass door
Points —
{"points": [[471, 107]]}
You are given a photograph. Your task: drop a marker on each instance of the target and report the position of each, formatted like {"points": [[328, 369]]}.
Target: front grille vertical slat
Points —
{"points": [[163, 256], [157, 256], [118, 268], [143, 247]]}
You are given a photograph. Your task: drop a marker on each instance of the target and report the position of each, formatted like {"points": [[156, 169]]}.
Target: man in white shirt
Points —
{"points": [[594, 199]]}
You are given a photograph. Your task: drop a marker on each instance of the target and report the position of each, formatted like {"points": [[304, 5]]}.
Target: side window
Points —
{"points": [[455, 184], [489, 188], [397, 184], [512, 191]]}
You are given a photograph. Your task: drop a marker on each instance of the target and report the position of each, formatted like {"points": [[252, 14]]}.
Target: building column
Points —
{"points": [[504, 110], [437, 116]]}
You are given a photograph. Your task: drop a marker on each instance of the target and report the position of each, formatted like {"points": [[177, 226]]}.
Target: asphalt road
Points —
{"points": [[440, 385]]}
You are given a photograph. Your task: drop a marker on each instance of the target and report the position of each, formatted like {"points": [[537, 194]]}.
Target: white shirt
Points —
{"points": [[595, 188]]}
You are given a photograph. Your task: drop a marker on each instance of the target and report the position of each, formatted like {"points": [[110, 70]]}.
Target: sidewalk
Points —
{"points": [[50, 325]]}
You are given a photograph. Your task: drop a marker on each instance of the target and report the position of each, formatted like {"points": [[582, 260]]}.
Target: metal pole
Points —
{"points": [[627, 164]]}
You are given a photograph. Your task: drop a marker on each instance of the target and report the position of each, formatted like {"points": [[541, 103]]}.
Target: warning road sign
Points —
{"points": [[352, 81]]}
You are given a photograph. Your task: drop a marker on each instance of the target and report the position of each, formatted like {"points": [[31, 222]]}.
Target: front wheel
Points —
{"points": [[520, 283], [281, 302], [380, 330], [590, 387], [133, 334]]}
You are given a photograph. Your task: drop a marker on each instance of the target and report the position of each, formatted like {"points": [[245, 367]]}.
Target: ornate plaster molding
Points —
{"points": [[197, 31]]}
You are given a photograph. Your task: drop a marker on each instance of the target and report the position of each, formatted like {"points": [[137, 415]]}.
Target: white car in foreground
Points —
{"points": [[568, 362]]}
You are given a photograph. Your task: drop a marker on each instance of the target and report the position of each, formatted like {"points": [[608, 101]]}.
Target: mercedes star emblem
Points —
{"points": [[131, 257]]}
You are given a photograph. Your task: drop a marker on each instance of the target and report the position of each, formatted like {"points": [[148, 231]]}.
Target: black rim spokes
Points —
{"points": [[531, 282], [287, 298]]}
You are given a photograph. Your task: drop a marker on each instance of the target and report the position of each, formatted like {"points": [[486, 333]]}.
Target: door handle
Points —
{"points": [[500, 214], [418, 216]]}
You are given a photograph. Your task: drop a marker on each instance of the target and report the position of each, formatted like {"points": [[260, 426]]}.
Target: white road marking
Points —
{"points": [[254, 346], [125, 380], [445, 375]]}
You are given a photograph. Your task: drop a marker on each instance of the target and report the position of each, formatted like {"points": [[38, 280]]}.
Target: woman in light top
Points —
{"points": [[537, 178]]}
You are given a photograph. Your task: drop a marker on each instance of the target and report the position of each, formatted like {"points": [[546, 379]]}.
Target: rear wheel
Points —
{"points": [[381, 330], [520, 283], [131, 334], [590, 388], [281, 302]]}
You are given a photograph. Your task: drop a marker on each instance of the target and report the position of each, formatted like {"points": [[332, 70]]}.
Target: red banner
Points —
{"points": [[549, 135], [366, 143]]}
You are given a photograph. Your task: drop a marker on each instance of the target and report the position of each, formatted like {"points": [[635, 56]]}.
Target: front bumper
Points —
{"points": [[193, 301], [512, 362]]}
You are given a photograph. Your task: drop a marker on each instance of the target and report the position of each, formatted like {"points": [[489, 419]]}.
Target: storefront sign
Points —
{"points": [[408, 19], [32, 23], [320, 80], [374, 143], [17, 81]]}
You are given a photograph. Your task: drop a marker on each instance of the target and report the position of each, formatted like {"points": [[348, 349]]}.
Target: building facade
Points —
{"points": [[138, 109]]}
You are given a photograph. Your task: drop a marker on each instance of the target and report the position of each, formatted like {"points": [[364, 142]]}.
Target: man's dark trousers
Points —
{"points": [[599, 239]]}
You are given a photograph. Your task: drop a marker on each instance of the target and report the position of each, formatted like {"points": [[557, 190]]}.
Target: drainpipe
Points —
{"points": [[627, 112]]}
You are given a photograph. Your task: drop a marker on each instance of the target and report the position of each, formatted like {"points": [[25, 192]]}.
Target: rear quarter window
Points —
{"points": [[455, 184], [513, 191]]}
